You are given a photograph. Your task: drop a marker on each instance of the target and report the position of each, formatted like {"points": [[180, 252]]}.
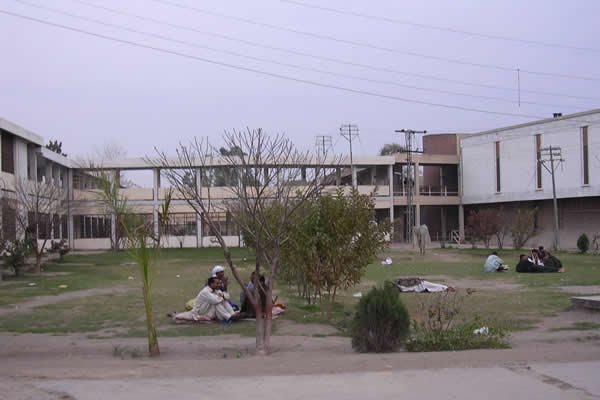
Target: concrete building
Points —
{"points": [[500, 167], [453, 175]]}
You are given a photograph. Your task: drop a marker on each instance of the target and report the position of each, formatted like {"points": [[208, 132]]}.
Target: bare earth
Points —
{"points": [[544, 362]]}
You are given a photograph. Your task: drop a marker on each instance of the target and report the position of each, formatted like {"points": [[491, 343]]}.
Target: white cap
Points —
{"points": [[217, 269]]}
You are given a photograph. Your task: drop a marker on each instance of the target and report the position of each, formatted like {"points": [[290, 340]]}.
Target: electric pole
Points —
{"points": [[323, 144], [552, 155], [348, 132], [409, 138]]}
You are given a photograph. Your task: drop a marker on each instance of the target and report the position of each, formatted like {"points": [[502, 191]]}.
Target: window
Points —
{"points": [[183, 224], [91, 226], [9, 219], [224, 223], [497, 154], [43, 225], [538, 156], [8, 153], [585, 155]]}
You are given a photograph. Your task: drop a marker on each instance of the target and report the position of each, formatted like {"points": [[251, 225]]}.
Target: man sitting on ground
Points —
{"points": [[219, 272], [526, 265], [494, 264], [211, 303]]}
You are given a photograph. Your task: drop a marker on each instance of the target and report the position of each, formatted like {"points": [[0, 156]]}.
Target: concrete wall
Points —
{"points": [[518, 162], [91, 244], [175, 242], [440, 144], [210, 241]]}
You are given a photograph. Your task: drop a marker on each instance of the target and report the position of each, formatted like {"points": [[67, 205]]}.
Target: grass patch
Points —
{"points": [[122, 314], [460, 337], [579, 326]]}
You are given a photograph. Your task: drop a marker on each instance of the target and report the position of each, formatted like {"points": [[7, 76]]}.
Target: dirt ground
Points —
{"points": [[298, 349]]}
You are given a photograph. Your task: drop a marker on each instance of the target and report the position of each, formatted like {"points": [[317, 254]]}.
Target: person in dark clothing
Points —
{"points": [[552, 261], [526, 266], [246, 305]]}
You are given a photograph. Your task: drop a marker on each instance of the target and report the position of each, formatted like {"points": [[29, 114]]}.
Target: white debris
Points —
{"points": [[484, 330], [130, 278], [359, 294], [32, 283], [387, 261]]}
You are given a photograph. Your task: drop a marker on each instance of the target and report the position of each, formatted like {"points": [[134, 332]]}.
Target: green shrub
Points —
{"points": [[583, 243], [456, 338], [381, 322], [16, 254]]}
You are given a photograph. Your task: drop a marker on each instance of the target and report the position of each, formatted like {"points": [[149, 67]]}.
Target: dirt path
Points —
{"points": [[38, 301]]}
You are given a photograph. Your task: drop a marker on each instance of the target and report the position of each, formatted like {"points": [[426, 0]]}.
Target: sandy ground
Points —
{"points": [[543, 363]]}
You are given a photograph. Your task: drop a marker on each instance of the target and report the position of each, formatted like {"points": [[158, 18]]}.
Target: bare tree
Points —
{"points": [[268, 174], [39, 206]]}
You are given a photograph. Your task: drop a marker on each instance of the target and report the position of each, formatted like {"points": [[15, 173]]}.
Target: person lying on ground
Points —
{"points": [[526, 266], [210, 304], [494, 263]]}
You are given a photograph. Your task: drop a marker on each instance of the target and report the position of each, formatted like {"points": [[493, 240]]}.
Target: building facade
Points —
{"points": [[453, 175]]}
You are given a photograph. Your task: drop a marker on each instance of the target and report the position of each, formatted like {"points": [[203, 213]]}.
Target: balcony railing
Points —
{"points": [[443, 191]]}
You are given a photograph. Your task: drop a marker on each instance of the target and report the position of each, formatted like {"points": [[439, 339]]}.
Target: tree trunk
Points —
{"points": [[152, 337], [261, 349], [331, 301]]}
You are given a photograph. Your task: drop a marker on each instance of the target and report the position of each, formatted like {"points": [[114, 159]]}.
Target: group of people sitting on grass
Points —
{"points": [[214, 303], [540, 260]]}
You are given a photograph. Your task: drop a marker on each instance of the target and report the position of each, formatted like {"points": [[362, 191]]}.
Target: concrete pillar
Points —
{"points": [[338, 176], [417, 215], [70, 197], [417, 179], [461, 222], [303, 174], [354, 178], [373, 175], [32, 158], [48, 173], [113, 229], [443, 223]]}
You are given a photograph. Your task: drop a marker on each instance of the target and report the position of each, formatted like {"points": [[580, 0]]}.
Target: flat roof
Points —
{"points": [[538, 122], [21, 132]]}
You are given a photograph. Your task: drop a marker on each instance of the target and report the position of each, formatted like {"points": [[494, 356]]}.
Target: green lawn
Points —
{"points": [[179, 274]]}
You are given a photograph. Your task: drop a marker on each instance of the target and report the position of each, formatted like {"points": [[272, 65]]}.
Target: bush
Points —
{"points": [[16, 253], [381, 322], [583, 243], [459, 337]]}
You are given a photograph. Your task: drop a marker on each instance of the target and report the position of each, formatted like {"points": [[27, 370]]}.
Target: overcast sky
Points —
{"points": [[86, 91]]}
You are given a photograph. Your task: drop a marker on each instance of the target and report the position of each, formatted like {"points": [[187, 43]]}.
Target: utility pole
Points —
{"points": [[410, 140], [348, 132], [553, 155], [323, 143]]}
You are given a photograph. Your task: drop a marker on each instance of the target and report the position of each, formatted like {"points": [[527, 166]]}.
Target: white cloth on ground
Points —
{"points": [[423, 286]]}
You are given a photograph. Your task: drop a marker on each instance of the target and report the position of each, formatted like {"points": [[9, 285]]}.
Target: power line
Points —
{"points": [[373, 46], [442, 29], [275, 62], [325, 58], [261, 72]]}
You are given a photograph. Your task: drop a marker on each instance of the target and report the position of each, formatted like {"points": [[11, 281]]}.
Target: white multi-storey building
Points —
{"points": [[501, 167], [452, 176]]}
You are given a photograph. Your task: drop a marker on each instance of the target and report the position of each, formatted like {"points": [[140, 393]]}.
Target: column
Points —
{"points": [[113, 230], [443, 223], [417, 179], [48, 173], [417, 215], [461, 222], [354, 179], [70, 198], [32, 155]]}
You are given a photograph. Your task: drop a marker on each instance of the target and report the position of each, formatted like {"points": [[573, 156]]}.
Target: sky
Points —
{"points": [[87, 91]]}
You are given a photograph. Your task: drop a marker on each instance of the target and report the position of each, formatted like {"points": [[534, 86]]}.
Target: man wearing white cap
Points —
{"points": [[219, 272]]}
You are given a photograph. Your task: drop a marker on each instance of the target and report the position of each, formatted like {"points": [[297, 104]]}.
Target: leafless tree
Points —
{"points": [[39, 204], [266, 174]]}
